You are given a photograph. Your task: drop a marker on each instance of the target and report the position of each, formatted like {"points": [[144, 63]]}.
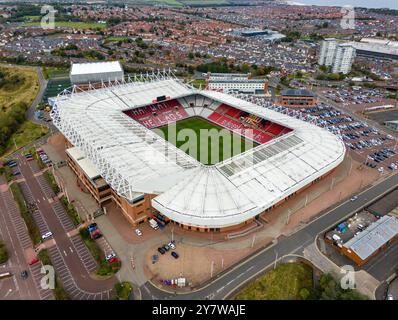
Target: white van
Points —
{"points": [[153, 224]]}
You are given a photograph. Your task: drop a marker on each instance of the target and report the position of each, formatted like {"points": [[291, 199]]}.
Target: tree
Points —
{"points": [[305, 293]]}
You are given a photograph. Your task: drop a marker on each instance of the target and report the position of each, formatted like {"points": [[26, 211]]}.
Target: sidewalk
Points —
{"points": [[365, 283]]}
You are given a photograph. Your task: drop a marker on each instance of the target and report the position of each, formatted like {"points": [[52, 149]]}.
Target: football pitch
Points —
{"points": [[204, 140]]}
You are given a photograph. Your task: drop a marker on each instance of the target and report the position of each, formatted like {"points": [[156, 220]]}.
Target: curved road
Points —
{"points": [[222, 286]]}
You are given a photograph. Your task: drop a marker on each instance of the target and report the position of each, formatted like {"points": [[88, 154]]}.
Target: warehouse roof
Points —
{"points": [[373, 237], [96, 67]]}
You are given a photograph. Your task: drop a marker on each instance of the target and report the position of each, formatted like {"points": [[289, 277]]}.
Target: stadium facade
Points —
{"points": [[116, 154]]}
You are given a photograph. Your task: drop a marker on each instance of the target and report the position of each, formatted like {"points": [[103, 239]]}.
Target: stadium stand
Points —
{"points": [[159, 114], [246, 124], [238, 121]]}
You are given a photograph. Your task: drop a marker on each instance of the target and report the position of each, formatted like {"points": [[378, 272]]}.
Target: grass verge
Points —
{"points": [[33, 230], [123, 290], [59, 291], [70, 209], [287, 282]]}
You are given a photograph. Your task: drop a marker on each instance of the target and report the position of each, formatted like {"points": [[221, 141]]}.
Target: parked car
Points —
{"points": [[33, 261], [24, 274], [390, 297], [47, 235], [110, 256], [112, 260], [175, 255], [138, 232], [161, 250], [172, 245], [96, 234]]}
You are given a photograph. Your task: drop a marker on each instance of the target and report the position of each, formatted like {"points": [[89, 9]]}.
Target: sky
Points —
{"points": [[392, 4]]}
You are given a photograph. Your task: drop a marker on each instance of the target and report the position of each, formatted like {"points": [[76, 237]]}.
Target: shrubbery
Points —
{"points": [[10, 121], [3, 253], [33, 230]]}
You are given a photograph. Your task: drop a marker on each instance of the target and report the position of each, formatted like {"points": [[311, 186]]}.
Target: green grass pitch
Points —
{"points": [[194, 142]]}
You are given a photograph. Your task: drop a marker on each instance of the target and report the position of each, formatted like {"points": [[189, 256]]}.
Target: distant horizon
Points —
{"points": [[390, 4]]}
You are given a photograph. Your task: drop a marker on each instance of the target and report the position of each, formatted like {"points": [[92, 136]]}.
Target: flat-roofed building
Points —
{"points": [[297, 98], [83, 73], [372, 240], [250, 86], [393, 125]]}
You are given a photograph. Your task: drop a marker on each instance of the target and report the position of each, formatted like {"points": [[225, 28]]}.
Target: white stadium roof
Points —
{"points": [[132, 158]]}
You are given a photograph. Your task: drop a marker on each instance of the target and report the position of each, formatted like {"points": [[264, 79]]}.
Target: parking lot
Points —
{"points": [[356, 95], [375, 149], [63, 217], [69, 283], [350, 228], [84, 255]]}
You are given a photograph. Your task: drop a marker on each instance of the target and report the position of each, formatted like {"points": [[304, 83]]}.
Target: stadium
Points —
{"points": [[122, 132]]}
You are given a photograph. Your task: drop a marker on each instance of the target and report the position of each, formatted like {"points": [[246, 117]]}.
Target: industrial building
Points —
{"points": [[368, 243], [376, 48], [95, 72], [393, 124]]}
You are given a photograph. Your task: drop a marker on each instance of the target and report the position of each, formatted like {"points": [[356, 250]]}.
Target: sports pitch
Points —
{"points": [[206, 142]]}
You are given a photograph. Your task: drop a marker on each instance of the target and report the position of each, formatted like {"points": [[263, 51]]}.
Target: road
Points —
{"points": [[16, 240], [220, 287], [65, 256]]}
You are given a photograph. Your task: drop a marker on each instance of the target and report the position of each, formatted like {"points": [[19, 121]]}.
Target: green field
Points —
{"points": [[70, 24], [55, 72], [27, 133], [289, 281], [204, 141], [55, 86]]}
